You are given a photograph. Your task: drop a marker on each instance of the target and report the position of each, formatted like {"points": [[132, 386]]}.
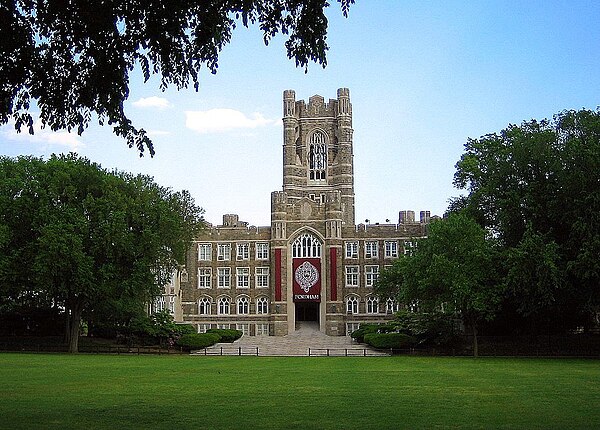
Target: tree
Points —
{"points": [[536, 187], [453, 269], [91, 237], [73, 58]]}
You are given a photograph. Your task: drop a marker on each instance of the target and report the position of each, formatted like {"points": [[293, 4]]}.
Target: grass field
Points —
{"points": [[182, 392]]}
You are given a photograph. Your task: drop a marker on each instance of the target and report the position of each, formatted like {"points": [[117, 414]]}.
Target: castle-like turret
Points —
{"points": [[317, 149]]}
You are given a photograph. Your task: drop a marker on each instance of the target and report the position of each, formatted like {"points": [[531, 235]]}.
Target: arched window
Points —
{"points": [[262, 305], [306, 246], [204, 306], [317, 156], [242, 305], [352, 305], [391, 306], [372, 305], [224, 306]]}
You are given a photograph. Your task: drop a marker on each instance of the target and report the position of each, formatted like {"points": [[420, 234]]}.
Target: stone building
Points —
{"points": [[313, 263]]}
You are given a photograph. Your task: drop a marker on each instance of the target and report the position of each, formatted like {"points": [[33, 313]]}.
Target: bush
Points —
{"points": [[429, 329], [388, 340], [182, 329], [227, 335], [192, 341], [359, 335]]}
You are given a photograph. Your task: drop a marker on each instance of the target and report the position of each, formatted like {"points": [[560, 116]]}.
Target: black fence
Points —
{"points": [[578, 345], [90, 349]]}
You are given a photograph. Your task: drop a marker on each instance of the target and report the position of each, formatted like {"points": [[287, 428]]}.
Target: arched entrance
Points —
{"points": [[307, 284], [307, 311]]}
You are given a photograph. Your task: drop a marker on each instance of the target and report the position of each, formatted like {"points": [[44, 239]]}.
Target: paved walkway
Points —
{"points": [[307, 336]]}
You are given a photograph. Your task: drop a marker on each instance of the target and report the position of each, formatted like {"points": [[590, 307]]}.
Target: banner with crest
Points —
{"points": [[307, 279]]}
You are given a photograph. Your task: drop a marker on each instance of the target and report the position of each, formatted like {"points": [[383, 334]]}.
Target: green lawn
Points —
{"points": [[182, 392]]}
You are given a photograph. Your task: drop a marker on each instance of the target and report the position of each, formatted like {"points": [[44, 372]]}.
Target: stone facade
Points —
{"points": [[313, 262]]}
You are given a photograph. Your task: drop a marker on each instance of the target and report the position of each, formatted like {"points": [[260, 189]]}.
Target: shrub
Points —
{"points": [[359, 335], [227, 335], [388, 340], [181, 329], [197, 340], [429, 329]]}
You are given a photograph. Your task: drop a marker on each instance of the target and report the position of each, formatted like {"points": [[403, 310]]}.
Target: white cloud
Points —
{"points": [[152, 102], [43, 135], [220, 120]]}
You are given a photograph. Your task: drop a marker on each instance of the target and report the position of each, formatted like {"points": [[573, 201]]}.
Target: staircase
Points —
{"points": [[307, 337]]}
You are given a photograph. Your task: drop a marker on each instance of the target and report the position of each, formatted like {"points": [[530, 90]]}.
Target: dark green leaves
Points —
{"points": [[73, 58]]}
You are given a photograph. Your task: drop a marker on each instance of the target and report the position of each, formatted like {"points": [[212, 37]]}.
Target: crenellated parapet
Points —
{"points": [[408, 217]]}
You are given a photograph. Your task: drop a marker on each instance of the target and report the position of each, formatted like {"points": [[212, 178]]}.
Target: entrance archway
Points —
{"points": [[307, 311], [307, 283]]}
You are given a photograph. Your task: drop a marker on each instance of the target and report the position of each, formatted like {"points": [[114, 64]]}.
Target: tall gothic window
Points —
{"points": [[317, 156], [306, 246]]}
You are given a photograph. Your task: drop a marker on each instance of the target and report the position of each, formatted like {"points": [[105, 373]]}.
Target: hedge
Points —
{"points": [[388, 340], [181, 329], [226, 335], [197, 340], [359, 335]]}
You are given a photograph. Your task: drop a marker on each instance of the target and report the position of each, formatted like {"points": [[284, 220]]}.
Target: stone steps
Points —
{"points": [[306, 340]]}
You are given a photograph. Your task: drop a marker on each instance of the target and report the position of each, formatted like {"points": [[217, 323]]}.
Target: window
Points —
{"points": [[317, 156], [306, 246], [242, 275], [204, 252], [351, 276], [262, 277], [262, 251], [351, 327], [413, 306], [371, 250], [391, 306], [202, 328], [224, 306], [262, 329], [204, 276], [159, 304], [391, 249], [352, 305], [244, 328], [409, 247], [262, 305], [372, 305], [371, 274], [243, 251], [224, 277], [172, 304], [351, 249], [204, 306], [224, 326], [224, 251], [243, 307]]}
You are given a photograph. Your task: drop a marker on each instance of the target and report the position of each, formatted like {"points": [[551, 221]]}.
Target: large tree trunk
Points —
{"points": [[74, 318], [475, 344]]}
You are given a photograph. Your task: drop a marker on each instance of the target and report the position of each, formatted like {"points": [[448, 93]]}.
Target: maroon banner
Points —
{"points": [[277, 275], [333, 272], [307, 279]]}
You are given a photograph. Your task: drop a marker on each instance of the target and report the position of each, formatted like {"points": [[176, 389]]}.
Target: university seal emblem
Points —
{"points": [[306, 276]]}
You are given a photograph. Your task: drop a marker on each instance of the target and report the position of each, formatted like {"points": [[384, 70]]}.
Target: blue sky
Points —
{"points": [[423, 77]]}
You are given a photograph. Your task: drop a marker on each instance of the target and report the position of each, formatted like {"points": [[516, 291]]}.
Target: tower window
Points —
{"points": [[317, 156], [306, 246]]}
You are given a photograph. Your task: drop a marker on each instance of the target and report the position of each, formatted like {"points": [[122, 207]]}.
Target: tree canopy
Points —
{"points": [[537, 187], [452, 269], [73, 58], [80, 238]]}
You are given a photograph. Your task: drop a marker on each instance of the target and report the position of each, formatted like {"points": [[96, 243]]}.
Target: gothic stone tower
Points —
{"points": [[307, 217], [312, 265]]}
